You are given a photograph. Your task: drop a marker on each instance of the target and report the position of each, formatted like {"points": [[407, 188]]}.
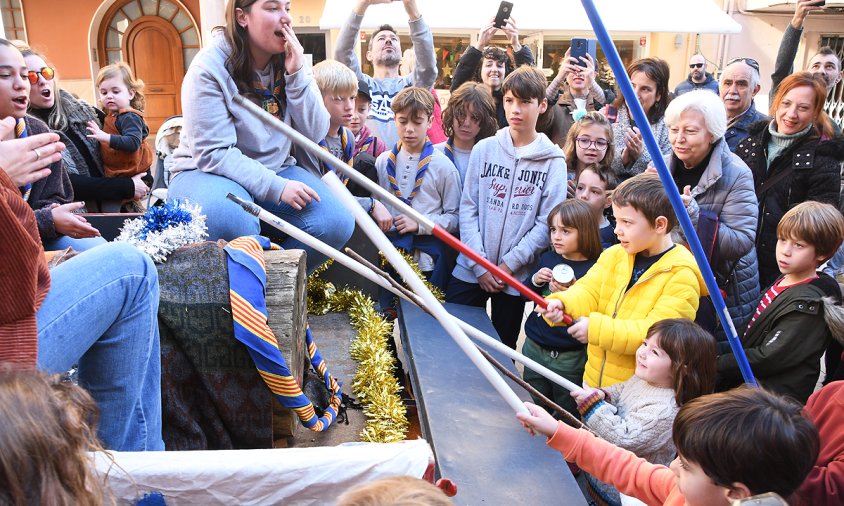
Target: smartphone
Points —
{"points": [[582, 47], [504, 11], [820, 4]]}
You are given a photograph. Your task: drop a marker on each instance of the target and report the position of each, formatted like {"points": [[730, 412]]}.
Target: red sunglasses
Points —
{"points": [[48, 73]]}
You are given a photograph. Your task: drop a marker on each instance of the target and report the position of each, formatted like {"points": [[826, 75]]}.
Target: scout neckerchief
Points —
{"points": [[449, 149], [273, 101], [348, 145], [364, 148], [364, 140], [247, 290], [421, 169], [20, 133]]}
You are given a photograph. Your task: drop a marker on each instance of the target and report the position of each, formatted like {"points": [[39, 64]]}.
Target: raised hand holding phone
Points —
{"points": [[504, 11]]}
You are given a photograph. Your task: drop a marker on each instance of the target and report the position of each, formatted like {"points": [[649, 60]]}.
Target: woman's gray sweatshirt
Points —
{"points": [[224, 138]]}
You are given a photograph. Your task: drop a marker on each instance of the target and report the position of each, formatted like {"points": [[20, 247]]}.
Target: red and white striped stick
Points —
{"points": [[425, 224]]}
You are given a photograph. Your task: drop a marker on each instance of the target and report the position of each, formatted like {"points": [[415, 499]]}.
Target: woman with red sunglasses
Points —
{"points": [[52, 197], [68, 117]]}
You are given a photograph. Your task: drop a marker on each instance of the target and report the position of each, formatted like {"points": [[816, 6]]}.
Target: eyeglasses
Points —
{"points": [[586, 143], [750, 61], [695, 65], [48, 73]]}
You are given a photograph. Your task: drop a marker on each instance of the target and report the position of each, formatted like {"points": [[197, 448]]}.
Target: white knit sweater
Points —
{"points": [[638, 417]]}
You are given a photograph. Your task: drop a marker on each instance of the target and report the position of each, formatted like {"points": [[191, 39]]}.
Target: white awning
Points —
{"points": [[638, 16]]}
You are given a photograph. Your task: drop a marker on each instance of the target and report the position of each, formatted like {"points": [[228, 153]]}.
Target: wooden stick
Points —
{"points": [[364, 268], [570, 419], [425, 224]]}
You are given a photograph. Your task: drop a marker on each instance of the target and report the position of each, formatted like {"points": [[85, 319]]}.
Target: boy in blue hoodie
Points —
{"points": [[514, 179]]}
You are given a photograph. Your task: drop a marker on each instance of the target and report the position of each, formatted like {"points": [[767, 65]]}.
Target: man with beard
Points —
{"points": [[739, 84], [384, 52], [698, 78], [825, 63]]}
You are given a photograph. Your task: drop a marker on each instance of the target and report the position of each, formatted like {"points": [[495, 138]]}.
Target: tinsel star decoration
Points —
{"points": [[163, 229]]}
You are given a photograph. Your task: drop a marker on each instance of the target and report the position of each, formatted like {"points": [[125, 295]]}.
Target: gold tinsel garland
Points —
{"points": [[374, 384]]}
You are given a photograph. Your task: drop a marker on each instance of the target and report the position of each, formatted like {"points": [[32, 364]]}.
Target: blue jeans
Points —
{"points": [[326, 220], [102, 313], [63, 242]]}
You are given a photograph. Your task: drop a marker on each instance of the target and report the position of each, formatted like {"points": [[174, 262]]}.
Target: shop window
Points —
{"points": [[314, 45], [447, 48], [554, 50]]}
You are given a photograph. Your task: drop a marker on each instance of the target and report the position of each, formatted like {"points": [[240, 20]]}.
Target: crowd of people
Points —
{"points": [[550, 181]]}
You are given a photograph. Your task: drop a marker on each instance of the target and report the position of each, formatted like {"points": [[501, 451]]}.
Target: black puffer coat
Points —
{"points": [[815, 174]]}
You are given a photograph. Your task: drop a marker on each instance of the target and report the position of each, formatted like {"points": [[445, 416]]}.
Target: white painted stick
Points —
{"points": [[437, 310], [364, 271]]}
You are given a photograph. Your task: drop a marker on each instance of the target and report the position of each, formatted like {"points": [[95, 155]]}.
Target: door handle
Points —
{"points": [[156, 90]]}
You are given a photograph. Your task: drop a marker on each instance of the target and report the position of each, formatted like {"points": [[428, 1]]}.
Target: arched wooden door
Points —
{"points": [[154, 51]]}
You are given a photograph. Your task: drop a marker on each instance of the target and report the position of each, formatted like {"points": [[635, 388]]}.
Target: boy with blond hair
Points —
{"points": [[395, 490], [513, 181], [339, 88], [643, 279], [800, 314]]}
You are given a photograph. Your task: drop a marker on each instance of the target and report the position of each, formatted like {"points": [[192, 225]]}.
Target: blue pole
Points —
{"points": [[638, 113]]}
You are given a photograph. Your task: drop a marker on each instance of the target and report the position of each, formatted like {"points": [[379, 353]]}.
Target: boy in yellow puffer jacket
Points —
{"points": [[643, 279]]}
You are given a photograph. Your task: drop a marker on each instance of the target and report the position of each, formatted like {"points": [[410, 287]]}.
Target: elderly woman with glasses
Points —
{"points": [[717, 188], [490, 64], [794, 158], [68, 117], [649, 77]]}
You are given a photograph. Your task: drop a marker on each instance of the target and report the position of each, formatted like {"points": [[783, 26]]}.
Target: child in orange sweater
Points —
{"points": [[730, 446], [122, 138]]}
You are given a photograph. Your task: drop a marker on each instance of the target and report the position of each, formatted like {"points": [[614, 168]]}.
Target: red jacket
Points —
{"points": [[24, 278], [825, 483]]}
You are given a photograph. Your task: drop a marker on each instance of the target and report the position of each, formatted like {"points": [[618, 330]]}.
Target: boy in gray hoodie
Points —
{"points": [[514, 179]]}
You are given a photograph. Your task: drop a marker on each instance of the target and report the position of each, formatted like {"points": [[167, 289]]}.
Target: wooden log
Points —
{"points": [[287, 319]]}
